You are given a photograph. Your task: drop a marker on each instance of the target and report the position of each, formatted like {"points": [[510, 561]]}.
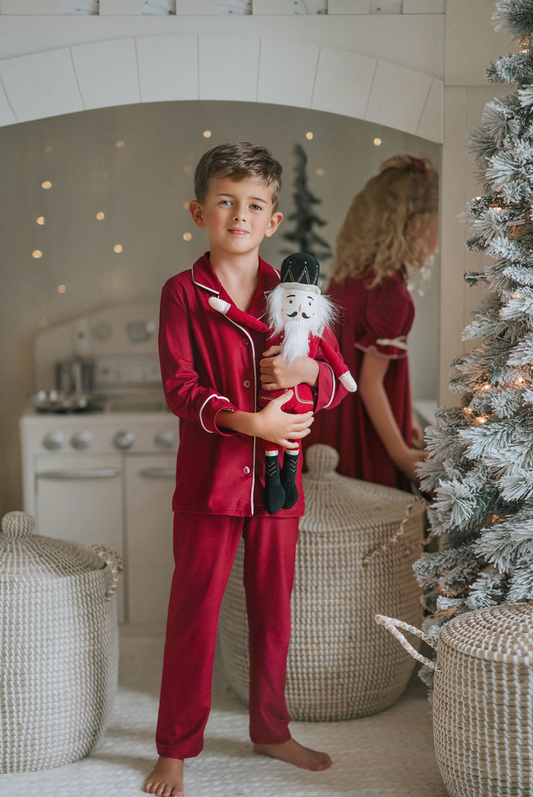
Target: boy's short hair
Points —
{"points": [[238, 161]]}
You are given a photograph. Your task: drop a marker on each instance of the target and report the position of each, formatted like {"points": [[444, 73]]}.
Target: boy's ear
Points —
{"points": [[275, 221], [195, 209]]}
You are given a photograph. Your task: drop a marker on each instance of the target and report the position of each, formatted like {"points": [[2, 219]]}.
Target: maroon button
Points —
{"points": [[246, 470], [246, 383], [245, 341]]}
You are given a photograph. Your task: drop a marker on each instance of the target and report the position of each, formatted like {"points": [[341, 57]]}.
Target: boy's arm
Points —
{"points": [[271, 423], [185, 397]]}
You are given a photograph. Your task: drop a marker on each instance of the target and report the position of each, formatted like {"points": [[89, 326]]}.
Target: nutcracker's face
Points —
{"points": [[299, 306]]}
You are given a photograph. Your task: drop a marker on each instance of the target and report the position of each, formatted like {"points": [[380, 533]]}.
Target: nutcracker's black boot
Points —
{"points": [[288, 478], [274, 495]]}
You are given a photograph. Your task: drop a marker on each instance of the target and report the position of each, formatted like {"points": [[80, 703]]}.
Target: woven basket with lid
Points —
{"points": [[355, 552], [483, 700], [58, 646]]}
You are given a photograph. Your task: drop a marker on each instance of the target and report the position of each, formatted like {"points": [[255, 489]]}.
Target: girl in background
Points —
{"points": [[391, 226]]}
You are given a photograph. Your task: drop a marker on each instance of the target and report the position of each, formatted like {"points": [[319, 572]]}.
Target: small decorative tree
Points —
{"points": [[480, 465], [305, 220]]}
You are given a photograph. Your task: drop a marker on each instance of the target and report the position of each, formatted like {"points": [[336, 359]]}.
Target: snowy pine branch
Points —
{"points": [[516, 16]]}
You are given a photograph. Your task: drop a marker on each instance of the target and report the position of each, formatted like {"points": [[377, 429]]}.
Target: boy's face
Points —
{"points": [[236, 215]]}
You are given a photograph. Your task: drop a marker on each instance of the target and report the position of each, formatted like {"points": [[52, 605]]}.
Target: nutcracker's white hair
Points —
{"points": [[326, 312]]}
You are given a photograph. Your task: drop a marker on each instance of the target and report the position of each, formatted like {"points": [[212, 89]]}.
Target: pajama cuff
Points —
{"points": [[209, 411]]}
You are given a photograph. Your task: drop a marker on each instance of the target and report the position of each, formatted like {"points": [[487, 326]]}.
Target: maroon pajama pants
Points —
{"points": [[204, 549]]}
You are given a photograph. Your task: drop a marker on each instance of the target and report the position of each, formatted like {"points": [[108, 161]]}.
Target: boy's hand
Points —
{"points": [[271, 423], [276, 374], [281, 427]]}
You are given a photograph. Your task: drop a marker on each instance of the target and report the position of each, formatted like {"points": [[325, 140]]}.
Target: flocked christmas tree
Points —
{"points": [[303, 236], [480, 465]]}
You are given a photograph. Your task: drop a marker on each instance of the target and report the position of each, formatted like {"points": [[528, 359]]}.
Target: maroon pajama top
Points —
{"points": [[208, 364]]}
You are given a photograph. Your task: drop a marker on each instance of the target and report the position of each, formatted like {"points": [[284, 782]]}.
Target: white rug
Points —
{"points": [[388, 754]]}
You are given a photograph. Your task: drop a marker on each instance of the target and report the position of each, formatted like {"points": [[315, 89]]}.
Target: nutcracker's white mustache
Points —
{"points": [[295, 341], [325, 312]]}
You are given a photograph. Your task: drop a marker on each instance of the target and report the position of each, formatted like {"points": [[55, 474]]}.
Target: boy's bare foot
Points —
{"points": [[166, 778], [294, 753]]}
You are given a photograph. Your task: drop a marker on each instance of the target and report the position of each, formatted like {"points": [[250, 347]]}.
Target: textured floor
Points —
{"points": [[389, 754]]}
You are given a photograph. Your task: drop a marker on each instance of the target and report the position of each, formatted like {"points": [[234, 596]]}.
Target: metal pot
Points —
{"points": [[75, 376]]}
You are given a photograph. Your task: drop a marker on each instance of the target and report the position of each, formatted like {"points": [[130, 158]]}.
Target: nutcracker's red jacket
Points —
{"points": [[208, 364]]}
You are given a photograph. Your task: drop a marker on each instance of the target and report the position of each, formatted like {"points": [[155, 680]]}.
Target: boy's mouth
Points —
{"points": [[237, 231]]}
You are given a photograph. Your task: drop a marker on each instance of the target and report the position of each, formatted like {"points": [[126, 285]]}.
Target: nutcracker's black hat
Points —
{"points": [[300, 271]]}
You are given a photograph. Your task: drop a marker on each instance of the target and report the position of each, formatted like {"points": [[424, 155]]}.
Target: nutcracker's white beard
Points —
{"points": [[295, 341]]}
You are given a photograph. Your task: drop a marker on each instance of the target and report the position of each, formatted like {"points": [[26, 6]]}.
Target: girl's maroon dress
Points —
{"points": [[374, 319]]}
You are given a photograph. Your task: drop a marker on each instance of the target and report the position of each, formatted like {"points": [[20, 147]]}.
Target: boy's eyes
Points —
{"points": [[226, 202]]}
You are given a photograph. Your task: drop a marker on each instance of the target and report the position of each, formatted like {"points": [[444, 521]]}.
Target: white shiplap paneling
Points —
{"points": [[287, 72], [198, 7], [107, 73], [120, 8], [33, 7], [343, 82], [273, 7], [168, 67], [228, 67], [348, 6], [423, 6], [41, 85]]}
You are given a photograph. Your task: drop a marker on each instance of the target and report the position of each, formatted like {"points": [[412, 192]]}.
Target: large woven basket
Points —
{"points": [[483, 700], [357, 544], [58, 647]]}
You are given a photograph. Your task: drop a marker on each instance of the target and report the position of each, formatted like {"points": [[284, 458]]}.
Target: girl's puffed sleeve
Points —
{"points": [[386, 319]]}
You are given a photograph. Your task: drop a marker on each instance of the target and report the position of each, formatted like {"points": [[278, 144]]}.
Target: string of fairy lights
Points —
{"points": [[118, 248]]}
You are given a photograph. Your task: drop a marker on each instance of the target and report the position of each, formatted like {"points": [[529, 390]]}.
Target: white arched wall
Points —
{"points": [[188, 67]]}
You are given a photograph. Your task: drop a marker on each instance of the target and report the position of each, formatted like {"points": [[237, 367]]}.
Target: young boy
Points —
{"points": [[210, 375]]}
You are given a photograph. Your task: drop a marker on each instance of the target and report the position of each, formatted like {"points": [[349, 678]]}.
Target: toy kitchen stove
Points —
{"points": [[99, 465]]}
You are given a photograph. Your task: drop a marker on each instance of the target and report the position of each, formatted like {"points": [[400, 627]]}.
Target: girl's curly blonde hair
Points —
{"points": [[387, 222]]}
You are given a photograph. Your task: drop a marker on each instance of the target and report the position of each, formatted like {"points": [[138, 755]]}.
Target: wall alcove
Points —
{"points": [[63, 112]]}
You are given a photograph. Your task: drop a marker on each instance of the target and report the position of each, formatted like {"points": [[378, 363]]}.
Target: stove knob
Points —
{"points": [[53, 440], [81, 440], [165, 439], [124, 440]]}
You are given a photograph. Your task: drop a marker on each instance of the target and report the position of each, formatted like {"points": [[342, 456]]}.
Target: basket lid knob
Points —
{"points": [[321, 460], [18, 525]]}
